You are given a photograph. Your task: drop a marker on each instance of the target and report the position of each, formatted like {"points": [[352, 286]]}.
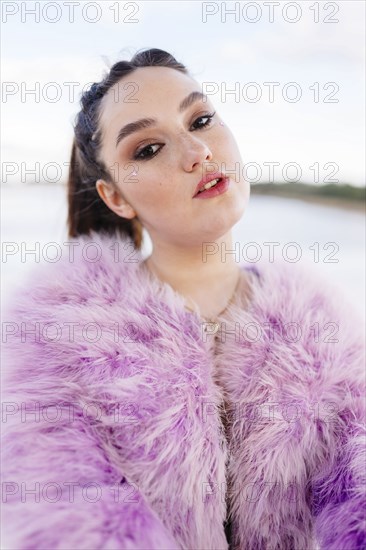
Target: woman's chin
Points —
{"points": [[213, 232]]}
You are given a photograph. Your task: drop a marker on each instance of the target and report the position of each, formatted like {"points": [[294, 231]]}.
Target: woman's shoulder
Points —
{"points": [[68, 315], [299, 299], [90, 267], [309, 322]]}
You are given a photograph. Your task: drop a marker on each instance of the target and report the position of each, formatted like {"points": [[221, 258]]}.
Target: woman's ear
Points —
{"points": [[114, 200]]}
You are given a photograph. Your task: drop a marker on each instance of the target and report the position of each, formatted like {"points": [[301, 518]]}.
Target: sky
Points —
{"points": [[311, 54]]}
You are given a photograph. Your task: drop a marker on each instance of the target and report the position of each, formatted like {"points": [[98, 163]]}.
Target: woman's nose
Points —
{"points": [[194, 152]]}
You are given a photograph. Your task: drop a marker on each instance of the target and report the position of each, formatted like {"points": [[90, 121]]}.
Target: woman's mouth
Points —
{"points": [[213, 188]]}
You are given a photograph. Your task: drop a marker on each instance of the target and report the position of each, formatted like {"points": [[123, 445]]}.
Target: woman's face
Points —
{"points": [[170, 157]]}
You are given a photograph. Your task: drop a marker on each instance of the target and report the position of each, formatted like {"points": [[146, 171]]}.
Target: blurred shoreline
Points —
{"points": [[348, 197], [324, 201]]}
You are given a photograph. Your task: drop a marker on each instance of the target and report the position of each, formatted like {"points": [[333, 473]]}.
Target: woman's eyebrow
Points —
{"points": [[147, 122]]}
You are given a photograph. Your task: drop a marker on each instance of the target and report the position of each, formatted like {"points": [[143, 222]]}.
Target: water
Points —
{"points": [[37, 214]]}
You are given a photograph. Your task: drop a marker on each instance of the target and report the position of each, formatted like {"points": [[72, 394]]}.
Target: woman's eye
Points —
{"points": [[208, 119], [146, 153]]}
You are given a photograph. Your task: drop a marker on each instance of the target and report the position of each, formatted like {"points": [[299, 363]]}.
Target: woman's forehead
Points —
{"points": [[144, 88], [146, 83]]}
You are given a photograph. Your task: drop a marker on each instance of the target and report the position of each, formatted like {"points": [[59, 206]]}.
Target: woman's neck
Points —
{"points": [[207, 282]]}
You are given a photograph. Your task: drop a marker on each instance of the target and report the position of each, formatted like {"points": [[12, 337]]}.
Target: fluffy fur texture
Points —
{"points": [[126, 447]]}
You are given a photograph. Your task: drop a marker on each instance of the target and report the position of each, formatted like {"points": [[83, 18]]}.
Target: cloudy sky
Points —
{"points": [[313, 51]]}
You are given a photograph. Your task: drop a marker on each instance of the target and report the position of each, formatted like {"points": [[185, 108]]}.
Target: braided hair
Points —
{"points": [[86, 210]]}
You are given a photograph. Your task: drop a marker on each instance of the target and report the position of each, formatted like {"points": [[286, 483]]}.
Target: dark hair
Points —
{"points": [[86, 210]]}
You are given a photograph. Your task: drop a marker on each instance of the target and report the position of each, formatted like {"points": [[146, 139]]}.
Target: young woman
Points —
{"points": [[184, 400]]}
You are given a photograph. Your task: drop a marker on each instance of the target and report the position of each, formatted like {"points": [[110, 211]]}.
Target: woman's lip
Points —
{"points": [[214, 191], [207, 178]]}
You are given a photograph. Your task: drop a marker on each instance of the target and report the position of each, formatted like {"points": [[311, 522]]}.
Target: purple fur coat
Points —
{"points": [[113, 430]]}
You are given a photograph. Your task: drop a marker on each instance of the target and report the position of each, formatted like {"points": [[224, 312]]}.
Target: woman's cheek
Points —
{"points": [[149, 193]]}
